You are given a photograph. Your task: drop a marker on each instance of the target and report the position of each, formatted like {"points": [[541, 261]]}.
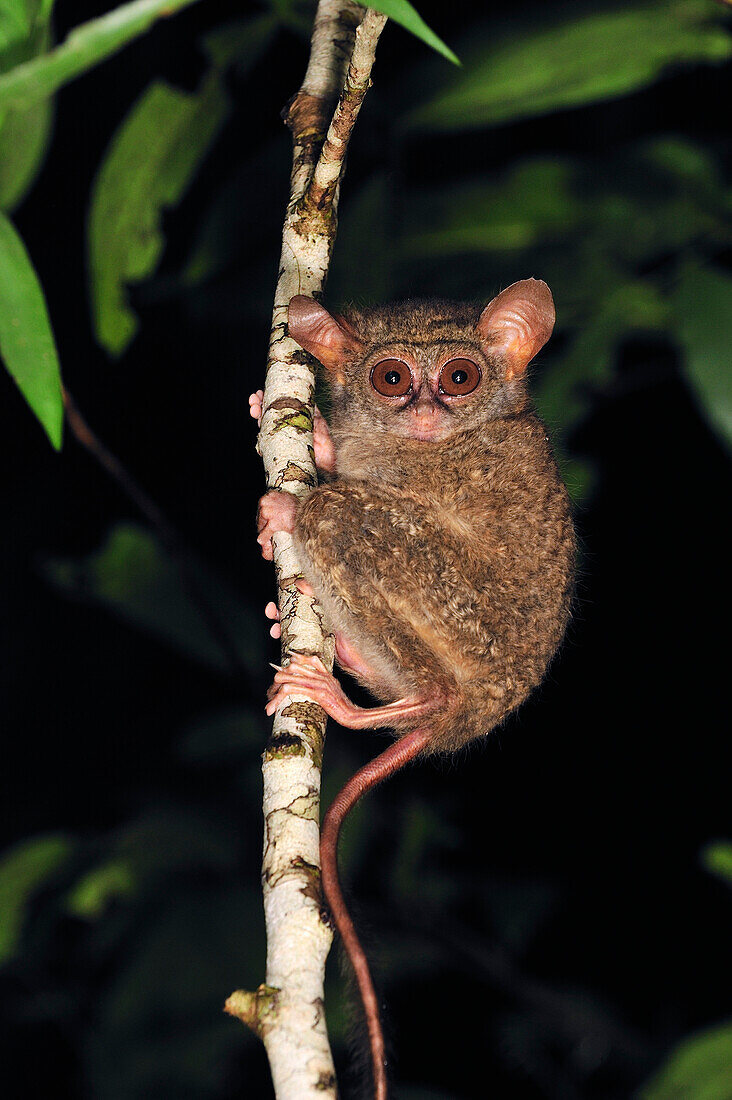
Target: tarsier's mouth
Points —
{"points": [[428, 435], [430, 428]]}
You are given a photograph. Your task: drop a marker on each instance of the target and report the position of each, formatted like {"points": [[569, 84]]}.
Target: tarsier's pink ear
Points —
{"points": [[328, 339], [517, 323]]}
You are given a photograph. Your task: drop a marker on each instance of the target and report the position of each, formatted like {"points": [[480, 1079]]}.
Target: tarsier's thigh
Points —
{"points": [[375, 554]]}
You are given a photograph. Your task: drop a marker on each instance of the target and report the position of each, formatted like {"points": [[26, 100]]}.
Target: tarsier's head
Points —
{"points": [[427, 369]]}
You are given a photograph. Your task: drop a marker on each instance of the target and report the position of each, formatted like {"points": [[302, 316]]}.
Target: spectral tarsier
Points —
{"points": [[440, 545]]}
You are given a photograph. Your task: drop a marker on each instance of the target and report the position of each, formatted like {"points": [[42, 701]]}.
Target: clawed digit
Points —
{"points": [[308, 676]]}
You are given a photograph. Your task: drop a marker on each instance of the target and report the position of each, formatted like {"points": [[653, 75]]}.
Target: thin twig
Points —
{"points": [[329, 167]]}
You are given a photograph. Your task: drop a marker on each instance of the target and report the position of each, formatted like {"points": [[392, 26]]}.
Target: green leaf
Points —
{"points": [[23, 30], [27, 346], [152, 849], [717, 858], [132, 576], [92, 895], [24, 132], [85, 47], [24, 139], [605, 218], [402, 12], [13, 23], [23, 870], [684, 164], [703, 324], [149, 165], [531, 204], [601, 55], [699, 1069]]}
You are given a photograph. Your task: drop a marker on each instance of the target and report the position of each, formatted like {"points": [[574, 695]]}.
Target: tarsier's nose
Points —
{"points": [[425, 421], [425, 407]]}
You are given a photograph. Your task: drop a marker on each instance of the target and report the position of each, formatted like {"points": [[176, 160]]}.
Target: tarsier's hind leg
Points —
{"points": [[308, 676], [341, 531]]}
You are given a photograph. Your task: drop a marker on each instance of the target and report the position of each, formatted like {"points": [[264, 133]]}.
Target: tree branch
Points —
{"points": [[299, 934]]}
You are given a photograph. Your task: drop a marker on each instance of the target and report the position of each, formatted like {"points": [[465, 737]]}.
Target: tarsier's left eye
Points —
{"points": [[459, 376], [391, 378]]}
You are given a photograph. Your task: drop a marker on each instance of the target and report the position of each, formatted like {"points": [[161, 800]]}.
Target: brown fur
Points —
{"points": [[446, 563]]}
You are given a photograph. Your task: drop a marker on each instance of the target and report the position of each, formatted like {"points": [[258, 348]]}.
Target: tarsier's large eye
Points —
{"points": [[459, 376], [391, 378]]}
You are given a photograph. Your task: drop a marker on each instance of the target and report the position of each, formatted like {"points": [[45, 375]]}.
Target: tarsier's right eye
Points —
{"points": [[391, 378]]}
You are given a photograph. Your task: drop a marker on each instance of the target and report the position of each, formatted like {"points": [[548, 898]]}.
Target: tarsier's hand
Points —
{"points": [[325, 458]]}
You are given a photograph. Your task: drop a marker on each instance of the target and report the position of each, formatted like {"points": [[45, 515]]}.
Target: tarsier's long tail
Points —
{"points": [[373, 773]]}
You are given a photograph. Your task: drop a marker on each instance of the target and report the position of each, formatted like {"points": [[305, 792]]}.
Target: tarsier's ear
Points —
{"points": [[327, 338], [517, 323]]}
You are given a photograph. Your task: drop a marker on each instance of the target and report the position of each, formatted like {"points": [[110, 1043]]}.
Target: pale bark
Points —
{"points": [[287, 1011]]}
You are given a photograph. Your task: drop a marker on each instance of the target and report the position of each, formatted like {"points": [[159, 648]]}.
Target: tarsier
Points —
{"points": [[440, 544]]}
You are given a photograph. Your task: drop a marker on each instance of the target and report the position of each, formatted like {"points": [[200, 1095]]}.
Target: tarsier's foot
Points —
{"points": [[308, 676], [325, 458], [276, 512]]}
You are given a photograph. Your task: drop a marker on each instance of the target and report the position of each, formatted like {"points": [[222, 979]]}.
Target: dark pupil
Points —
{"points": [[393, 377], [459, 377]]}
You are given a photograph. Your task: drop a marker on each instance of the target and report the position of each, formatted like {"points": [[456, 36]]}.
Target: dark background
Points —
{"points": [[538, 910]]}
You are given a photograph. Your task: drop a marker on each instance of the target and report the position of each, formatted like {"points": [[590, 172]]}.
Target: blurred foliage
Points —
{"points": [[134, 578], [717, 858], [157, 916], [698, 1070], [25, 85], [25, 869], [91, 897], [151, 160], [25, 32], [701, 294], [533, 69], [26, 340], [150, 163]]}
